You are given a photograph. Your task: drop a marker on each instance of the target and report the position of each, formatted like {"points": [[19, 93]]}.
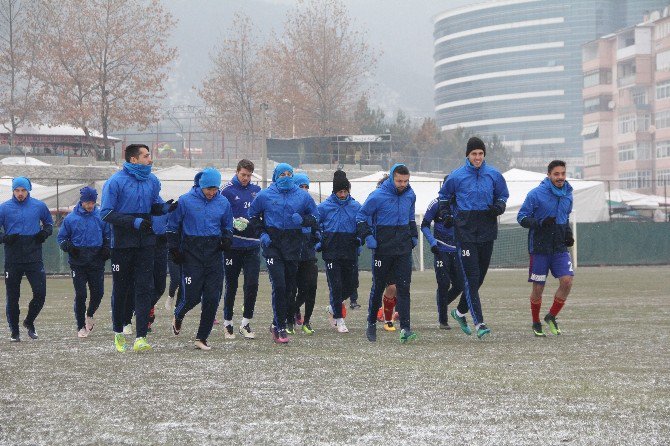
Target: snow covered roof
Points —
{"points": [[22, 161], [57, 130]]}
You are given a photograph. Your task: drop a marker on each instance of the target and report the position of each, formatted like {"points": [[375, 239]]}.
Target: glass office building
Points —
{"points": [[513, 68]]}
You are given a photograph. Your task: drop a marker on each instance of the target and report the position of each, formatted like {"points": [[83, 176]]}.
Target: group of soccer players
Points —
{"points": [[211, 234]]}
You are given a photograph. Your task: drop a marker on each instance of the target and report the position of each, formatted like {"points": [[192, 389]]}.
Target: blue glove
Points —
{"points": [[415, 241], [371, 242], [296, 218], [265, 240], [317, 247]]}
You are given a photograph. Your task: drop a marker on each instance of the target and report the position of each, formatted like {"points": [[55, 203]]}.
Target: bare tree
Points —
{"points": [[19, 93]]}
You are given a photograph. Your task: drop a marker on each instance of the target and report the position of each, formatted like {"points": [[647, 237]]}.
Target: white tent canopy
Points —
{"points": [[637, 201], [65, 196]]}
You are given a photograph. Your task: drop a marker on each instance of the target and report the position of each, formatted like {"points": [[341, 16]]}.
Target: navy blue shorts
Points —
{"points": [[560, 264]]}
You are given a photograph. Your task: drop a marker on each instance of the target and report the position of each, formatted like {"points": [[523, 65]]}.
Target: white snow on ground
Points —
{"points": [[23, 161]]}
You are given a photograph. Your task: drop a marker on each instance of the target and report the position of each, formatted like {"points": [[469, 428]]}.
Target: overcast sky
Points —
{"points": [[402, 29]]}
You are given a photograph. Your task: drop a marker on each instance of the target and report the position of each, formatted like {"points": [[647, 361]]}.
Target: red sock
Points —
{"points": [[556, 307], [535, 310], [389, 304]]}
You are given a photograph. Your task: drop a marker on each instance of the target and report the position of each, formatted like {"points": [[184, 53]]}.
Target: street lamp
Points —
{"points": [[288, 101]]}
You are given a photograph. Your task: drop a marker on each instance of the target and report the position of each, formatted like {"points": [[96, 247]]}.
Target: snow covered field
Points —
{"points": [[605, 381]]}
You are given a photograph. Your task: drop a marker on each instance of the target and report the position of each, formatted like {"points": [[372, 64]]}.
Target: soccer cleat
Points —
{"points": [[388, 326], [141, 345], [307, 329], [290, 328], [83, 333], [331, 319], [298, 318], [202, 344], [483, 330], [407, 335], [462, 322], [15, 337], [90, 323], [246, 332], [274, 333], [538, 331], [120, 342], [371, 332], [353, 305], [549, 319], [128, 329], [176, 325], [228, 332], [168, 303], [282, 337], [32, 333], [341, 326], [445, 326]]}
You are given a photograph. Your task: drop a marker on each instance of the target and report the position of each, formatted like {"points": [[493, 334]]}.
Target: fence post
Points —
{"points": [[57, 204], [609, 200]]}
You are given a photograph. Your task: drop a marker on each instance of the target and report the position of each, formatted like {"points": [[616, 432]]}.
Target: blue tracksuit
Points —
{"points": [[394, 229], [125, 198], [307, 276], [245, 253], [444, 262], [23, 255], [339, 247], [271, 213], [196, 228], [90, 235], [468, 195], [541, 203]]}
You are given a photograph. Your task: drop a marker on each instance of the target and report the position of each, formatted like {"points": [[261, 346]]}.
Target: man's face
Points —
{"points": [[20, 193], [286, 173], [557, 176], [342, 194], [143, 158], [210, 192], [88, 205], [400, 181], [244, 176], [304, 187], [476, 157]]}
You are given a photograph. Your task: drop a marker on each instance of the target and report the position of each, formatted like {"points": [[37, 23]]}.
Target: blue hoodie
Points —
{"points": [[26, 219], [443, 237], [541, 203], [467, 195], [338, 228], [392, 216], [86, 231], [240, 198]]}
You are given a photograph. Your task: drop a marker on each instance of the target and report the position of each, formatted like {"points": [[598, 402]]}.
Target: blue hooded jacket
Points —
{"points": [[125, 198], [467, 195], [392, 217], [272, 211], [86, 231], [338, 228], [541, 203], [26, 219], [443, 237], [240, 198]]}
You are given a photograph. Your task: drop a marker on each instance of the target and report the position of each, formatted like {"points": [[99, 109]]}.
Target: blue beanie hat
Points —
{"points": [[209, 177], [300, 178], [281, 168], [22, 182], [88, 194]]}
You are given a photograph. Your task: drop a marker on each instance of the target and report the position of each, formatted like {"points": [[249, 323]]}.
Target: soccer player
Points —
{"points": [[339, 245], [387, 225], [546, 213], [443, 247], [85, 237], [129, 199], [471, 199], [278, 214], [307, 275], [245, 252], [26, 224], [198, 231]]}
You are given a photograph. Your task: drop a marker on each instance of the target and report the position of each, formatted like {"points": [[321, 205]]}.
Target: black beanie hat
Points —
{"points": [[340, 181], [475, 143]]}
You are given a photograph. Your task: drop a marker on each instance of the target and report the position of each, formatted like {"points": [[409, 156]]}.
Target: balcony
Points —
{"points": [[625, 81]]}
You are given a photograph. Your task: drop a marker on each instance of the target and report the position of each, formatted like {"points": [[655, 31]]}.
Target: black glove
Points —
{"points": [[162, 238], [448, 221], [145, 227], [104, 254], [9, 239], [494, 210], [549, 221], [434, 249], [41, 236], [225, 244], [442, 214], [74, 251], [173, 205], [177, 256], [569, 240]]}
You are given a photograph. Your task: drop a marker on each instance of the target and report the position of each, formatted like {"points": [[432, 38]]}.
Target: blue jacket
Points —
{"points": [[197, 226], [541, 203], [271, 213], [24, 218], [240, 198], [338, 228], [467, 195], [125, 198], [444, 237], [391, 217], [86, 231]]}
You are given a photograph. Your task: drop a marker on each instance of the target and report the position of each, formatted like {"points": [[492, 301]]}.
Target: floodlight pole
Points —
{"points": [[264, 145]]}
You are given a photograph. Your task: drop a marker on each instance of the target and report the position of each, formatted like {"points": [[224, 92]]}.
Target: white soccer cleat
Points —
{"points": [[128, 329], [90, 323], [228, 332], [245, 330], [83, 333], [341, 326], [202, 345]]}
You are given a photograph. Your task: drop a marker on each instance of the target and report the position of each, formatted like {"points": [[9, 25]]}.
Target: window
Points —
{"points": [[643, 122], [626, 152], [662, 149], [643, 151], [663, 177], [591, 105], [627, 123], [663, 61], [663, 119], [640, 97], [638, 179], [591, 158], [591, 79], [663, 90], [662, 30]]}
